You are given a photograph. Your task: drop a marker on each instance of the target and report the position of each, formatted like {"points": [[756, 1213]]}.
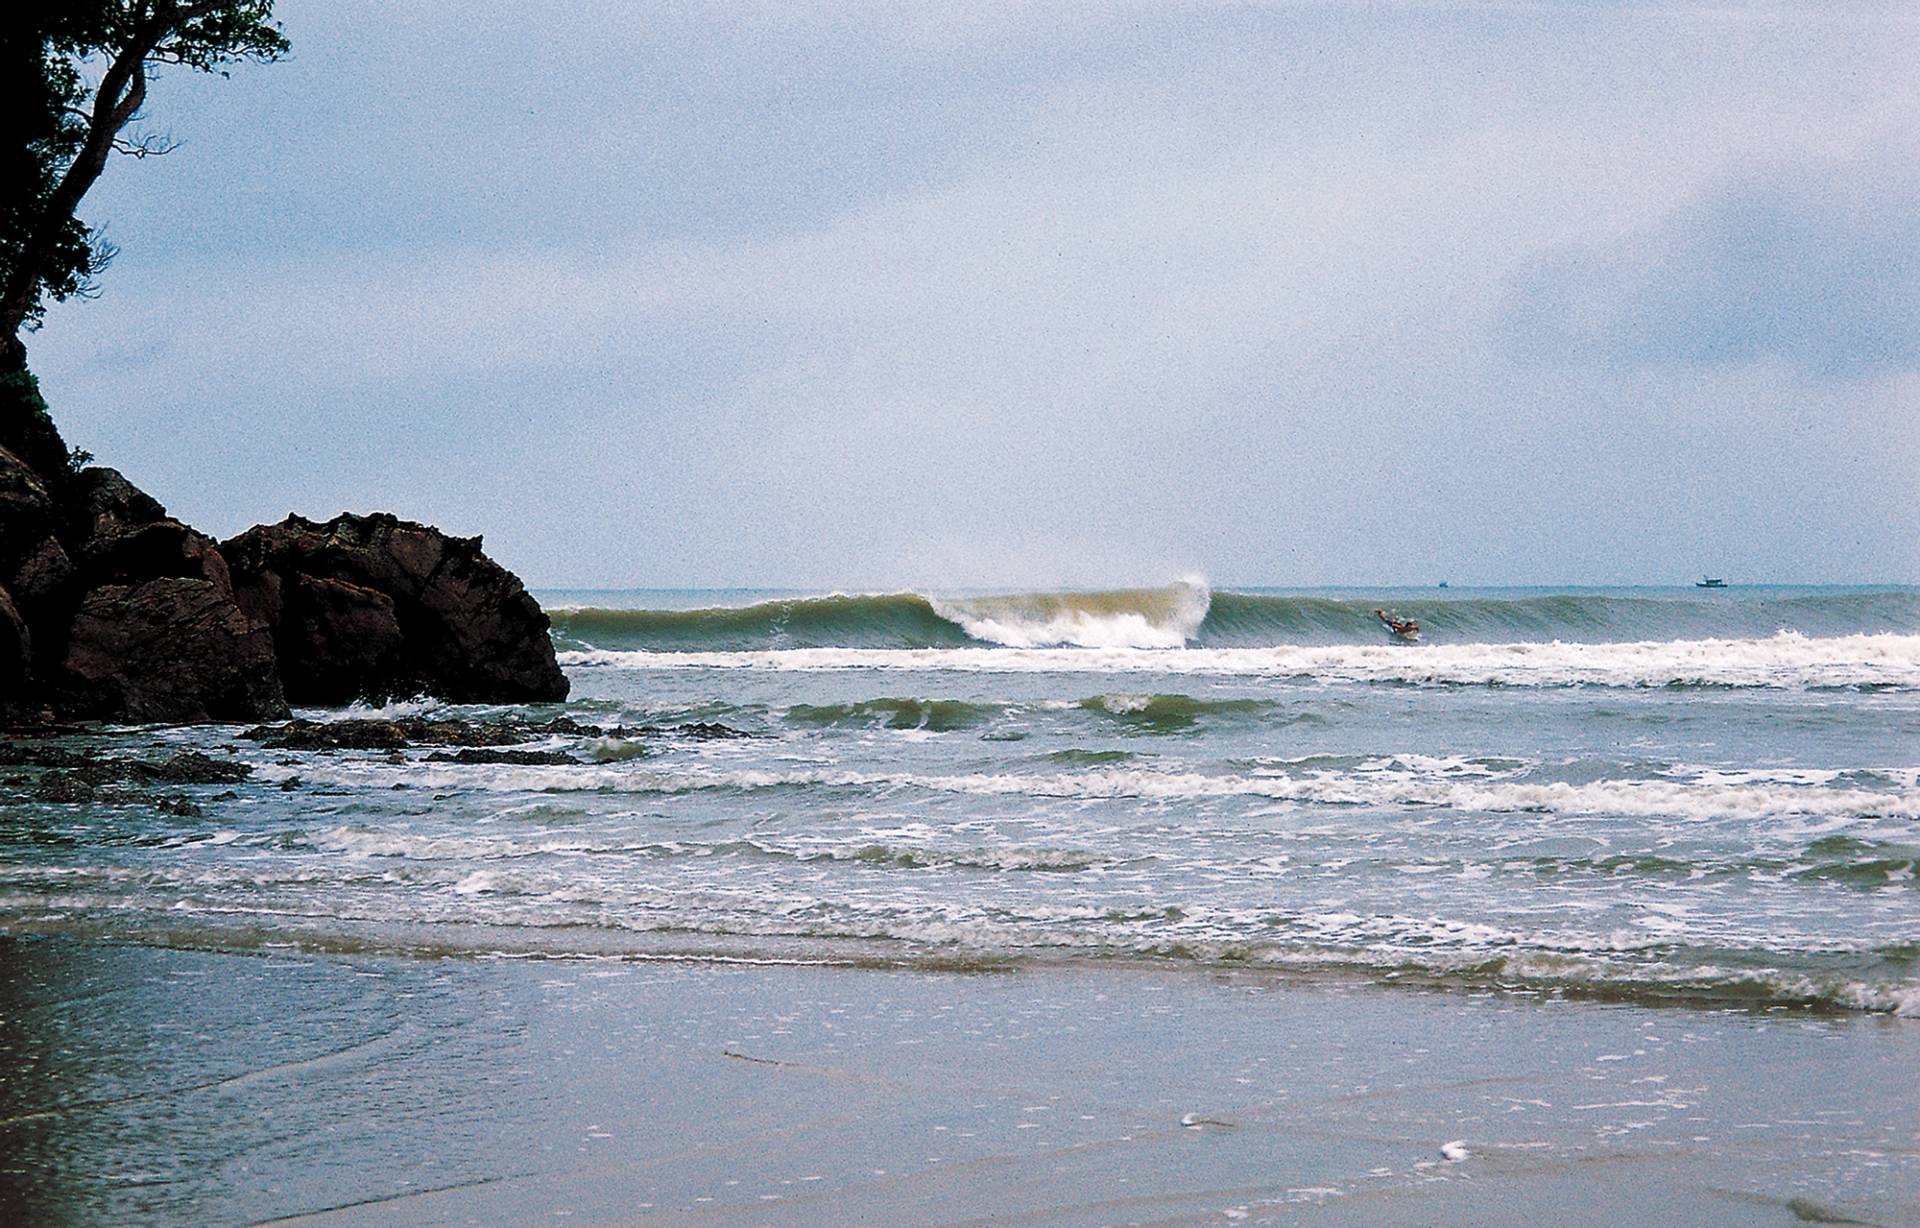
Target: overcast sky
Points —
{"points": [[925, 294]]}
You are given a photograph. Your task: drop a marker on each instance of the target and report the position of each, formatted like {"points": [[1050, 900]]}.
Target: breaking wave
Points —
{"points": [[1784, 660], [1191, 615]]}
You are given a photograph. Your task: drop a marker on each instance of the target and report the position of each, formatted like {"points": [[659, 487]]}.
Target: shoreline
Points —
{"points": [[169, 1084], [480, 942]]}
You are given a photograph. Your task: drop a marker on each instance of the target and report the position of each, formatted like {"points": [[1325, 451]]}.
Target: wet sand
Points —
{"points": [[140, 1084]]}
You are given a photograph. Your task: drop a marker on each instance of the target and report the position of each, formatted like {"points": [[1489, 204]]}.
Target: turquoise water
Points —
{"points": [[1683, 795]]}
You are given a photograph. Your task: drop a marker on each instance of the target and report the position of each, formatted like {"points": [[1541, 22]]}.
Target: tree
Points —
{"points": [[65, 128]]}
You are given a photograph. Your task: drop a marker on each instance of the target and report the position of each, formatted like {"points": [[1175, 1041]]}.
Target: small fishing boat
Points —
{"points": [[1709, 582]]}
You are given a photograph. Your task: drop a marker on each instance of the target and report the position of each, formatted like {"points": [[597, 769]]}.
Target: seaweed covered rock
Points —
{"points": [[423, 731], [375, 606]]}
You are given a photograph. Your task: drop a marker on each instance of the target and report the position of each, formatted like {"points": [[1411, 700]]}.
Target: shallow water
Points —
{"points": [[146, 1085], [1536, 797]]}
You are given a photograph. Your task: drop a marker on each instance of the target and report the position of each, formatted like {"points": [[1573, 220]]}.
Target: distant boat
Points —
{"points": [[1709, 582], [1443, 584]]}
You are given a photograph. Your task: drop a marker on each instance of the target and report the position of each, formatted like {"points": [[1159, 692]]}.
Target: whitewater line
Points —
{"points": [[1787, 660]]}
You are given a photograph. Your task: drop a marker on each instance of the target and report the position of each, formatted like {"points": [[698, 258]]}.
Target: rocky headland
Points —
{"points": [[112, 610]]}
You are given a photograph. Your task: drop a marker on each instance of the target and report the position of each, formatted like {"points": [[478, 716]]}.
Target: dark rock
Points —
{"points": [[65, 787], [41, 577], [179, 807], [190, 767], [172, 649], [525, 758], [26, 429], [290, 784], [156, 550], [26, 512], [101, 503], [341, 640], [700, 731], [129, 616], [330, 735], [84, 768], [420, 731], [467, 630], [16, 650], [111, 610], [38, 755]]}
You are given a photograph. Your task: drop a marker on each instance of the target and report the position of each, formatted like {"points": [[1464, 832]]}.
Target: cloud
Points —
{"points": [[793, 296], [1816, 267]]}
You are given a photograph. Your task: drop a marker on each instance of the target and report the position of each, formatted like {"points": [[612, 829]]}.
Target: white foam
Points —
{"points": [[1651, 798], [1786, 660], [1158, 619]]}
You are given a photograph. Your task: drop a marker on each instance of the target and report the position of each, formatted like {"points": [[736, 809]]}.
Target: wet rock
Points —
{"points": [[330, 735], [190, 767], [179, 807], [525, 758], [454, 623], [37, 754], [701, 731], [172, 649], [81, 776], [65, 787], [421, 731]]}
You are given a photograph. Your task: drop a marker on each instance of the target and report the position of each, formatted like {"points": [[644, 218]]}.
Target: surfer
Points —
{"points": [[1402, 628]]}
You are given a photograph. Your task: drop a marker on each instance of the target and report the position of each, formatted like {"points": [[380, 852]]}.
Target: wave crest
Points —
{"points": [[1127, 618], [1189, 614]]}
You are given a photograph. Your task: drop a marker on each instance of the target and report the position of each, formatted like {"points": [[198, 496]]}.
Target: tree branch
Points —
{"points": [[118, 98], [201, 34], [150, 145]]}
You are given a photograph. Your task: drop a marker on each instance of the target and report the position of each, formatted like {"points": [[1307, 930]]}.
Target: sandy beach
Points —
{"points": [[155, 1085]]}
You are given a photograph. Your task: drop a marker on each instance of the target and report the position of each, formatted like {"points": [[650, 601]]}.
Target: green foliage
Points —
{"points": [[26, 428], [20, 393], [40, 91], [55, 57]]}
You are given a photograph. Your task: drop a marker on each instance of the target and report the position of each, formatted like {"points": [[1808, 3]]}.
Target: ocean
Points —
{"points": [[1633, 799], [1686, 794]]}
